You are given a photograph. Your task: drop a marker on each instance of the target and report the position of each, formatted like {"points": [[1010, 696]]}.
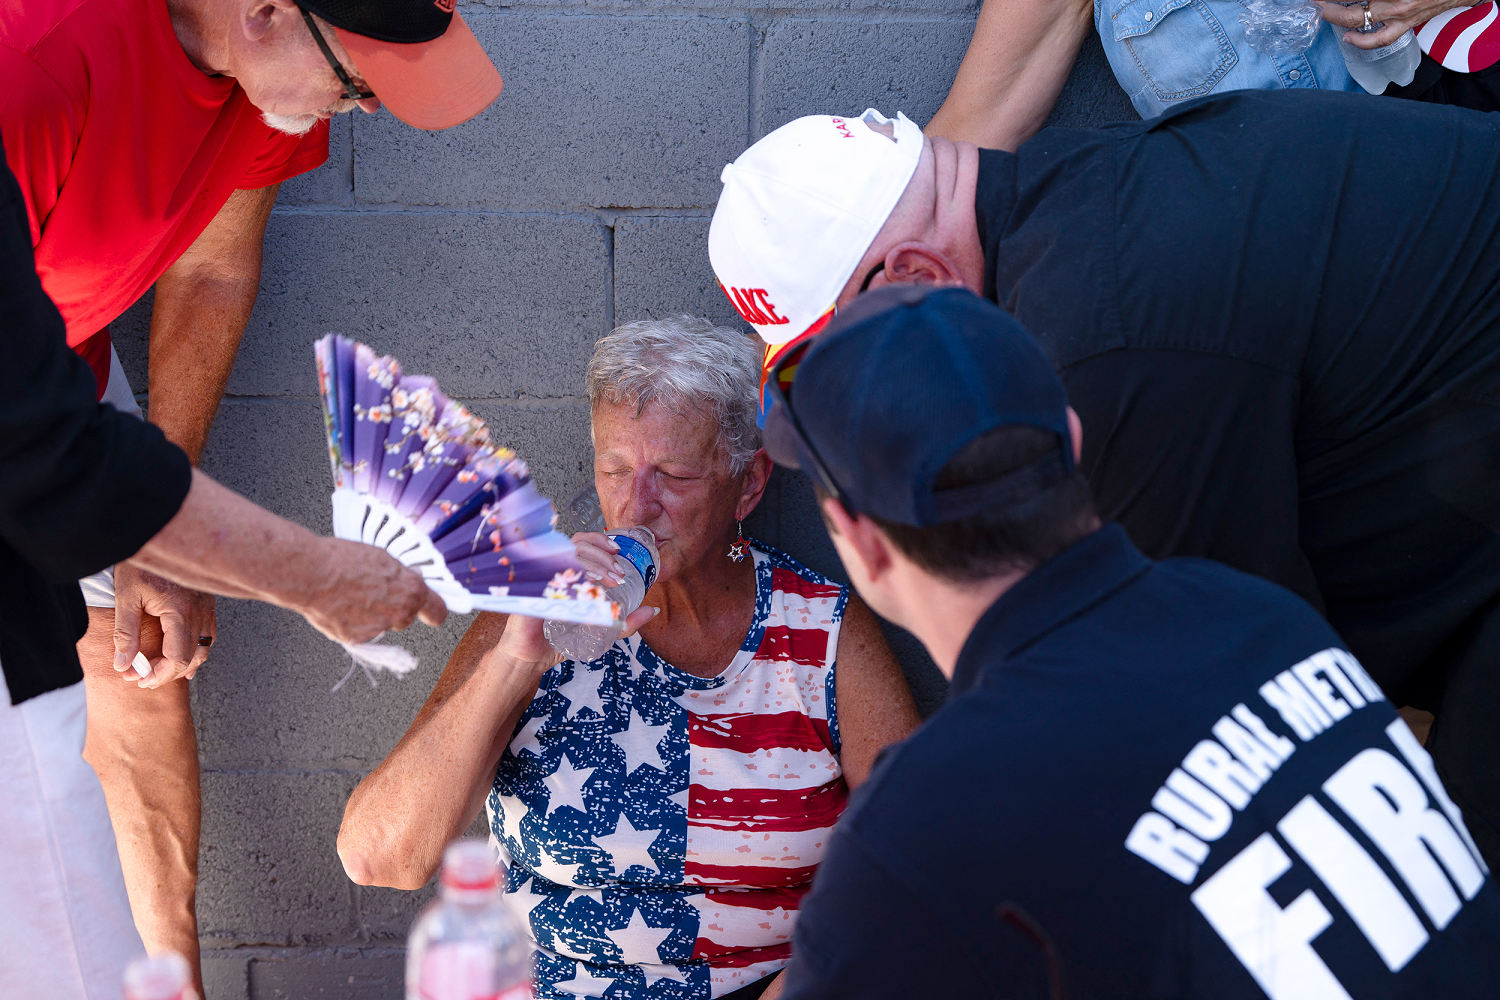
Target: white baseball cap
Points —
{"points": [[798, 211]]}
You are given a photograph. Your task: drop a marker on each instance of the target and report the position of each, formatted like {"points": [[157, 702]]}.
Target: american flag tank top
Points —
{"points": [[661, 828]]}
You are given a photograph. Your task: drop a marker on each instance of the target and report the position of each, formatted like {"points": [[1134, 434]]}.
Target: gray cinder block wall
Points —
{"points": [[492, 256]]}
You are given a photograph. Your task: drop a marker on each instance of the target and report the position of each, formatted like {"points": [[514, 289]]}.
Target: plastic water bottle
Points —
{"points": [[467, 945], [1373, 69], [589, 642], [159, 977], [1280, 27]]}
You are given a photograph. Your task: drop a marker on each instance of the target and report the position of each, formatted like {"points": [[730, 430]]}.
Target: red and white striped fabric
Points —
{"points": [[1464, 39], [663, 825]]}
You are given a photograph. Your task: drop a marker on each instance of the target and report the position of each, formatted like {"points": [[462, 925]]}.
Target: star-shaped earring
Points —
{"points": [[737, 550]]}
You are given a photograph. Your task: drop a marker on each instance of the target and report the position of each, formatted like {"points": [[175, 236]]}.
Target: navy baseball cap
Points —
{"points": [[898, 384]]}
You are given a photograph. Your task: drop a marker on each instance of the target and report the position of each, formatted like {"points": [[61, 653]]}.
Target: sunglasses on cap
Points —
{"points": [[782, 436]]}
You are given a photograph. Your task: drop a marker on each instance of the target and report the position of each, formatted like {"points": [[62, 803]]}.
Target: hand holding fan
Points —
{"points": [[416, 474]]}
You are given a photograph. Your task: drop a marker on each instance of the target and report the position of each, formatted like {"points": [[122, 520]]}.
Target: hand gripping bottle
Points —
{"points": [[1373, 69], [467, 945], [589, 642], [159, 977]]}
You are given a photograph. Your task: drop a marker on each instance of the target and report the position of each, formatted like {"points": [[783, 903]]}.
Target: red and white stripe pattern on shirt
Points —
{"points": [[765, 785], [1465, 39]]}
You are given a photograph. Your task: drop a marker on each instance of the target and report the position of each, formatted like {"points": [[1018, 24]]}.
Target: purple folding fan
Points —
{"points": [[416, 474]]}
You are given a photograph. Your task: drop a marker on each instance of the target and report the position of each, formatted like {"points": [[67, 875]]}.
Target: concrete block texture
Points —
{"points": [[816, 66], [606, 111], [333, 182], [342, 974], [491, 305], [662, 269], [269, 872]]}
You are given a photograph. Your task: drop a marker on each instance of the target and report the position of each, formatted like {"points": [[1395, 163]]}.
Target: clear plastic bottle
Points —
{"points": [[159, 977], [1373, 69], [467, 944], [1280, 27], [589, 642]]}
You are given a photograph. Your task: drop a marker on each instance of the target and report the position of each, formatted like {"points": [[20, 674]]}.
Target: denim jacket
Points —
{"points": [[1166, 51]]}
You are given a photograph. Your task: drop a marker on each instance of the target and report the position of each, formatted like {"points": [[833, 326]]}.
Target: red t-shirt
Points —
{"points": [[124, 150]]}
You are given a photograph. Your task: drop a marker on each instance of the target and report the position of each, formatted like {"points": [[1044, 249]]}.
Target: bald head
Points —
{"points": [[931, 237]]}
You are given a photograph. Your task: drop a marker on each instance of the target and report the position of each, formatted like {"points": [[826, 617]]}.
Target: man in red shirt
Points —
{"points": [[149, 138]]}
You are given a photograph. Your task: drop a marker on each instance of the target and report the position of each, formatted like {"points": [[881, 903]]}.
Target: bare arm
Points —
{"points": [[1017, 62], [219, 541], [203, 302], [431, 786], [874, 703]]}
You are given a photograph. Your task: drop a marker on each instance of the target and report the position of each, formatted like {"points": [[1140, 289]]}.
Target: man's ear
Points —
{"points": [[863, 539], [915, 263], [1075, 431], [260, 19], [757, 474]]}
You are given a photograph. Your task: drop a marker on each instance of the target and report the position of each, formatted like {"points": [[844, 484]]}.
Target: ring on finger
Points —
{"points": [[1369, 24], [205, 640]]}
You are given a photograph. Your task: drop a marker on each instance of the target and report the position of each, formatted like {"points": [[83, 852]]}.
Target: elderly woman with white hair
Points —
{"points": [[662, 808]]}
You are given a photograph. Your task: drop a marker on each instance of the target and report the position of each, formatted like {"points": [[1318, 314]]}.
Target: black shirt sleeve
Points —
{"points": [[82, 486]]}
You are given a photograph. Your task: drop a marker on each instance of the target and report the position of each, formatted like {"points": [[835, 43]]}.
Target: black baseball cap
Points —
{"points": [[898, 384], [418, 57]]}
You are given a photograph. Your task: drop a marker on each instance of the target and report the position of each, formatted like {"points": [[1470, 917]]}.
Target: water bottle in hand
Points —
{"points": [[1374, 69], [589, 642], [468, 945], [159, 977]]}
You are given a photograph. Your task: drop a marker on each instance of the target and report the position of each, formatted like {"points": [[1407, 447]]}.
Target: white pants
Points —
{"points": [[99, 589], [65, 927]]}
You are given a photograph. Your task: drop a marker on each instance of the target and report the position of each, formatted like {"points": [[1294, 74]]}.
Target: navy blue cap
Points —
{"points": [[897, 385]]}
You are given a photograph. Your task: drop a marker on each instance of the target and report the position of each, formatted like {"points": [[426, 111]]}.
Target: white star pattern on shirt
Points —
{"points": [[638, 937], [583, 691], [640, 744], [527, 737], [510, 821], [676, 973], [628, 846], [565, 786], [679, 798], [553, 870], [583, 984]]}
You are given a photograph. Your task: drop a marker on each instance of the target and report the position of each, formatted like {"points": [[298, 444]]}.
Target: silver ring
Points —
{"points": [[1369, 23]]}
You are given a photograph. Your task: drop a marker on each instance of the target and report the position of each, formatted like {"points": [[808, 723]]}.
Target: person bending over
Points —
{"points": [[1163, 779], [1312, 414], [662, 809]]}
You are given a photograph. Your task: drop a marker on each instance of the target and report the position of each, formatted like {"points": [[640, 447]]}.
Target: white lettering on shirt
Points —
{"points": [[1388, 803], [1297, 708], [1356, 881], [1190, 805], [1420, 762], [1174, 851], [1273, 944]]}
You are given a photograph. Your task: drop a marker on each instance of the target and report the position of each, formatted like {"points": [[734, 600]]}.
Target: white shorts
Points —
{"points": [[99, 589], [65, 918]]}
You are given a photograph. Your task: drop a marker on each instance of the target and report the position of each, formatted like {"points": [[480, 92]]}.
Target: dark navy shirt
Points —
{"points": [[1151, 780], [1278, 315]]}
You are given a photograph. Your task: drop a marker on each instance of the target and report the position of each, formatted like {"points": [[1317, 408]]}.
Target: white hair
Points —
{"points": [[684, 361]]}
